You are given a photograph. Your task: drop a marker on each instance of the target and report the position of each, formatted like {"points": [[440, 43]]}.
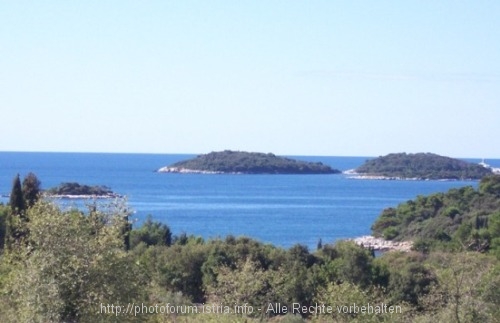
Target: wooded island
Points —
{"points": [[240, 162], [78, 190], [421, 166]]}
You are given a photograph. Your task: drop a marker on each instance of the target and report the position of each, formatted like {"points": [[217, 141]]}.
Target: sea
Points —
{"points": [[282, 210]]}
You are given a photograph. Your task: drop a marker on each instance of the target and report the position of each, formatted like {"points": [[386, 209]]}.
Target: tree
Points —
{"points": [[490, 185], [30, 189], [151, 233], [353, 263], [4, 212], [319, 246], [16, 219], [126, 229], [16, 201], [349, 294], [68, 269], [179, 268], [466, 289], [248, 283]]}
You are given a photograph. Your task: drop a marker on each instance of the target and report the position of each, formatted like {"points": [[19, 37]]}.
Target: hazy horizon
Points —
{"points": [[208, 151]]}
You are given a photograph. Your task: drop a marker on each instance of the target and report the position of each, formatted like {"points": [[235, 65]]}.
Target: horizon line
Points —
{"points": [[198, 153]]}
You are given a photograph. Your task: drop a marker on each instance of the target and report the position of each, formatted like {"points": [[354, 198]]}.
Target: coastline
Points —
{"points": [[159, 194], [180, 170], [380, 244], [83, 197], [351, 174]]}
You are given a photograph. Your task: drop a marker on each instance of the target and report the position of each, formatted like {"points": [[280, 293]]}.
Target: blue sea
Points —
{"points": [[280, 209]]}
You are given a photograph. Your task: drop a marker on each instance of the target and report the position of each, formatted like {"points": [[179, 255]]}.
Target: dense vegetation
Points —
{"points": [[69, 263], [422, 166], [461, 218], [78, 189], [251, 163]]}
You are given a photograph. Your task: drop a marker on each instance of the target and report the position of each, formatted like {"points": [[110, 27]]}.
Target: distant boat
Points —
{"points": [[482, 163], [495, 170]]}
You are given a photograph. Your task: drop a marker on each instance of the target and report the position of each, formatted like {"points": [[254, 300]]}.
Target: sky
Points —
{"points": [[325, 78]]}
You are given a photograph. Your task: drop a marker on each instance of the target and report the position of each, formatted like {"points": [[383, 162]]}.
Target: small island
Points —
{"points": [[76, 190], [239, 162], [420, 166]]}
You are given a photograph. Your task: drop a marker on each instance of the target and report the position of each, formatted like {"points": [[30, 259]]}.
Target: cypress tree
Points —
{"points": [[16, 218], [16, 201], [31, 189], [319, 246], [126, 228]]}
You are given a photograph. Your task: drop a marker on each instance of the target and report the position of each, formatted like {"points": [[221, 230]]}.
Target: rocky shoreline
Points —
{"points": [[382, 244], [351, 174], [83, 197], [181, 170]]}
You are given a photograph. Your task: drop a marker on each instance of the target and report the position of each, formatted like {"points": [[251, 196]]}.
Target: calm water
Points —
{"points": [[279, 209]]}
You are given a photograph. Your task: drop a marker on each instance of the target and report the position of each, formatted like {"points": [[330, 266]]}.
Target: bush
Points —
{"points": [[68, 267], [390, 233]]}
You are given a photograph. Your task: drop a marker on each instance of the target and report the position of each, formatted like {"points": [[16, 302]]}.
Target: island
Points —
{"points": [[240, 162], [420, 166], [76, 190]]}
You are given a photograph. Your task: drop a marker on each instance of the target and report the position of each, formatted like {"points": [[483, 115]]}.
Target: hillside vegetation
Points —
{"points": [[422, 166], [69, 265], [249, 163], [462, 218]]}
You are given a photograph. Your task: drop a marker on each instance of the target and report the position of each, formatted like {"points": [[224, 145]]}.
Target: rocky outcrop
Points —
{"points": [[181, 170], [382, 244]]}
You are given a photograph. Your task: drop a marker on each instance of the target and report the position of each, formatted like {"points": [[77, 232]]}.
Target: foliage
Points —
{"points": [[248, 283], [70, 262], [490, 185], [466, 289], [16, 219], [349, 294], [151, 233], [252, 163], [68, 267], [4, 213], [422, 166], [31, 189], [408, 279], [16, 200], [462, 218], [177, 268], [353, 263]]}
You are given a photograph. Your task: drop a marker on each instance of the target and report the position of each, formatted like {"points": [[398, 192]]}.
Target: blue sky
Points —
{"points": [[348, 78]]}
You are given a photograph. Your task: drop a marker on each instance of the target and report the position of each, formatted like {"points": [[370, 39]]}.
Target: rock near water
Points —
{"points": [[382, 244]]}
